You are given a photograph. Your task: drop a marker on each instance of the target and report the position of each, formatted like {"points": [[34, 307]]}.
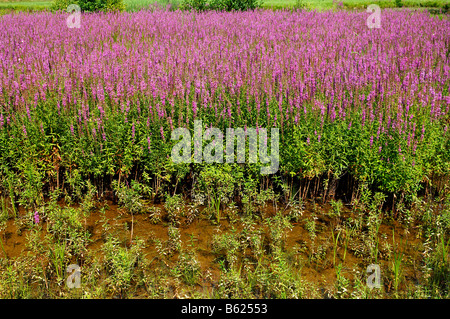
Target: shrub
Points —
{"points": [[130, 197], [221, 5], [196, 5], [218, 183], [91, 5], [174, 207], [230, 5], [301, 5], [121, 263], [188, 268], [65, 224]]}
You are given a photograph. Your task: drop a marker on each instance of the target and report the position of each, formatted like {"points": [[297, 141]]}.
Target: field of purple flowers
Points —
{"points": [[86, 115], [103, 99]]}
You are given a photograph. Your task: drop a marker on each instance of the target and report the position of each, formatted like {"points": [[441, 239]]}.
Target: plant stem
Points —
{"points": [[4, 205], [11, 195], [335, 242], [3, 248]]}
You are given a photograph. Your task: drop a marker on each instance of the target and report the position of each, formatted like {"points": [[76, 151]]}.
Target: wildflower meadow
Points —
{"points": [[88, 177]]}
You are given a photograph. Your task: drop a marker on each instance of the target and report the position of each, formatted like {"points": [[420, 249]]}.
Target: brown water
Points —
{"points": [[200, 232]]}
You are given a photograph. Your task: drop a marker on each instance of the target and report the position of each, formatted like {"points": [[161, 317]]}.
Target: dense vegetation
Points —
{"points": [[87, 115], [372, 106]]}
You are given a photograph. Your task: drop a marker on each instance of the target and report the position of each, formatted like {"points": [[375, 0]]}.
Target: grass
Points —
{"points": [[27, 6], [353, 4]]}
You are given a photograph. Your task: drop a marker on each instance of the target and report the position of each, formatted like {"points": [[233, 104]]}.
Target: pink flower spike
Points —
{"points": [[36, 217]]}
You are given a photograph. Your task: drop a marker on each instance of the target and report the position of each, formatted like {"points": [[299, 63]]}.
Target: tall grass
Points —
{"points": [[396, 263]]}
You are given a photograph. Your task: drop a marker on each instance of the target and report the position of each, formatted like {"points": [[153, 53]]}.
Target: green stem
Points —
{"points": [[377, 242], [3, 248], [347, 238], [4, 205], [217, 204], [11, 195], [335, 242]]}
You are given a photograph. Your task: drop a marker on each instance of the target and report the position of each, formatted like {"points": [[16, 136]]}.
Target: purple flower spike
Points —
{"points": [[36, 217]]}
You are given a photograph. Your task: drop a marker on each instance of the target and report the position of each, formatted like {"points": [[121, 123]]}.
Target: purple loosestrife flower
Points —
{"points": [[36, 217], [172, 66], [162, 133], [28, 113]]}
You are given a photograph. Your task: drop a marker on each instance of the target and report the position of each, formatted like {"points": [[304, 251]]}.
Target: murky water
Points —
{"points": [[198, 235]]}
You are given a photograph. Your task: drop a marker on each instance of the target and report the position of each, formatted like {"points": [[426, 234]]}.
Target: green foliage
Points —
{"points": [[396, 264], [65, 224], [121, 263], [220, 5], [90, 5], [88, 201], [137, 5], [174, 206], [226, 246], [57, 256], [154, 215], [15, 282], [278, 225], [310, 226], [336, 208], [4, 214], [195, 5], [237, 5], [218, 183], [130, 197], [62, 4], [188, 268], [174, 241], [301, 5]]}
